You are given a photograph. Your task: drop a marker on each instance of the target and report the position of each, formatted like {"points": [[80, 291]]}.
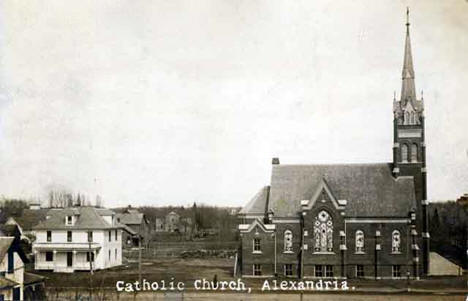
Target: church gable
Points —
{"points": [[324, 197], [257, 227]]}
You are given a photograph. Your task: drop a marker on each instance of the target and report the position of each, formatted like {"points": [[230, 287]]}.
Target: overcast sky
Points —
{"points": [[171, 102]]}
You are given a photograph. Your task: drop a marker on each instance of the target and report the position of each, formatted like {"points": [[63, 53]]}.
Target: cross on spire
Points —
{"points": [[407, 18]]}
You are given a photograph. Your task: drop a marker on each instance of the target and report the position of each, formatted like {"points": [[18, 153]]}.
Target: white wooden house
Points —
{"points": [[78, 238]]}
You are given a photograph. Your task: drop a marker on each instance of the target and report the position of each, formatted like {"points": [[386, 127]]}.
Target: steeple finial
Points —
{"points": [[407, 18]]}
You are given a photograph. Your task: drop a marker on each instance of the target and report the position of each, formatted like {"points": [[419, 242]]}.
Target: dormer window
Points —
{"points": [[69, 220]]}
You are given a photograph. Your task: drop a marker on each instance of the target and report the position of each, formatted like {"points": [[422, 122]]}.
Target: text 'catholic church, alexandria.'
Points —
{"points": [[346, 220]]}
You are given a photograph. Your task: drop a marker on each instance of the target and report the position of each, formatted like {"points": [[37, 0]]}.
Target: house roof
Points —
{"points": [[104, 211], [128, 229], [5, 283], [88, 218], [130, 218], [31, 218], [5, 243], [10, 230], [370, 189], [30, 278]]}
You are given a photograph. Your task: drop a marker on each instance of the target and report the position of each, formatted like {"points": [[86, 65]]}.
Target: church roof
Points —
{"points": [[369, 189], [258, 204]]}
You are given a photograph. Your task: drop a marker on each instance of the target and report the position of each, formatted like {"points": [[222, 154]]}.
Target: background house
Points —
{"points": [[137, 223]]}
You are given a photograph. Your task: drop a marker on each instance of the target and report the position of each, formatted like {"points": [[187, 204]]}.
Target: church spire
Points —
{"points": [[408, 90]]}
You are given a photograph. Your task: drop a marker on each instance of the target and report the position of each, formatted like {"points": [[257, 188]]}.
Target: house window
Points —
{"points": [[318, 270], [69, 220], [89, 256], [359, 270], [396, 271], [115, 235], [323, 232], [359, 241], [110, 235], [396, 241], [404, 153], [288, 270], [328, 271], [115, 251], [49, 236], [414, 152], [288, 241], [49, 256], [109, 255], [90, 236], [256, 245], [257, 269], [69, 236]]}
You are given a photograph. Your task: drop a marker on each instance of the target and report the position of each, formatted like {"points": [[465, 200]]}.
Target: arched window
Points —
{"points": [[323, 232], [288, 241], [396, 241], [404, 153], [359, 241], [414, 152]]}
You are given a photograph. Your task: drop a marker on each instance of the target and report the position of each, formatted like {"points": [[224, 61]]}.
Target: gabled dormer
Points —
{"points": [[70, 219]]}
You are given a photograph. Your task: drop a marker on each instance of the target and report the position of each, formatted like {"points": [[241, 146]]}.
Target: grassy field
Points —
{"points": [[157, 269], [190, 269]]}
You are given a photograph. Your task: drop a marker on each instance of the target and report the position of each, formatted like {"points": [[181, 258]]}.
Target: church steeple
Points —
{"points": [[408, 90], [409, 147], [408, 110]]}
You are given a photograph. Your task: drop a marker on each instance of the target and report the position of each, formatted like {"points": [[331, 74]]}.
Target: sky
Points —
{"points": [[174, 102]]}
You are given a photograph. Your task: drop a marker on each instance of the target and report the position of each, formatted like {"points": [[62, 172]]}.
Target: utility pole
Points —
{"points": [[91, 257], [139, 258]]}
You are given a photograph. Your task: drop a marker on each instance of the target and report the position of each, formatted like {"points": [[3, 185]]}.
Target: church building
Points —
{"points": [[346, 220]]}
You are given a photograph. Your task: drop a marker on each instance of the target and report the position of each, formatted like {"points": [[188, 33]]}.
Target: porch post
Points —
{"points": [[74, 260], [55, 261], [35, 259]]}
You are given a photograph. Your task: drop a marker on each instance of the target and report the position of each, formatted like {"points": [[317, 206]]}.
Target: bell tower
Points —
{"points": [[409, 148]]}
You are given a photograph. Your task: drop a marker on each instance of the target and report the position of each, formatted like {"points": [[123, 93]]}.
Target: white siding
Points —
{"points": [[100, 237]]}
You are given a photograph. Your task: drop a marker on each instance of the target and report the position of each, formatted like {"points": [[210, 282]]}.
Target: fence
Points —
{"points": [[182, 249]]}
